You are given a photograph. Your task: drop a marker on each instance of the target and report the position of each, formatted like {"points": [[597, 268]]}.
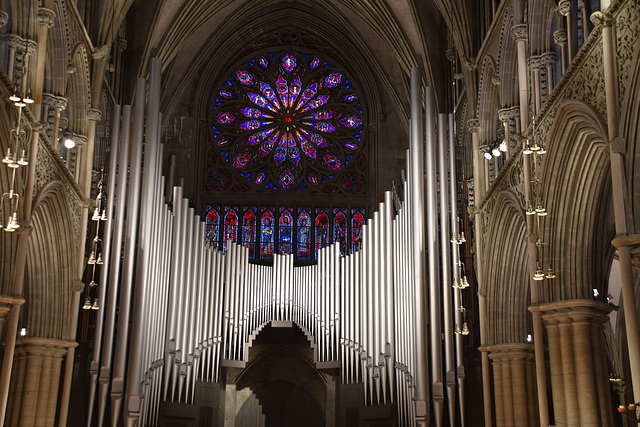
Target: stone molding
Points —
{"points": [[562, 311]]}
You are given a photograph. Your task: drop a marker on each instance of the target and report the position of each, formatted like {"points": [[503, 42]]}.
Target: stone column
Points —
{"points": [[505, 117], [576, 361], [515, 401], [35, 381], [534, 64], [560, 37], [520, 34], [45, 21], [565, 9], [548, 60]]}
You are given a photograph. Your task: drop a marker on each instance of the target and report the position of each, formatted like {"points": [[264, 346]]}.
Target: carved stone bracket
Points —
{"points": [[564, 7], [101, 52], [121, 44], [4, 18], [94, 115], [451, 54], [46, 17], [534, 62], [505, 114], [473, 125], [548, 58], [519, 32], [560, 36]]}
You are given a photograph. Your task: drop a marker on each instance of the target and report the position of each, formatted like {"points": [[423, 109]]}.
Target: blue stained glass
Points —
{"points": [[296, 85], [269, 93], [333, 79], [213, 227], [289, 63], [322, 230], [357, 221], [249, 232], [266, 235], [223, 142], [225, 118], [318, 140], [313, 179], [287, 179], [316, 102], [241, 161], [322, 115], [260, 101], [257, 137], [285, 238], [252, 113], [315, 63], [350, 145], [307, 94], [252, 124], [322, 126], [307, 148], [281, 84], [350, 97], [281, 152], [351, 122], [260, 178], [244, 77], [225, 94], [294, 154], [340, 229], [304, 232], [332, 162], [263, 62]]}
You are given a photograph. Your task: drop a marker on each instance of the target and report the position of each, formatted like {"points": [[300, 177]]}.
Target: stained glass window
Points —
{"points": [[357, 221], [285, 232], [287, 120], [340, 228], [304, 236], [322, 229], [266, 234], [213, 226], [249, 231], [230, 227]]}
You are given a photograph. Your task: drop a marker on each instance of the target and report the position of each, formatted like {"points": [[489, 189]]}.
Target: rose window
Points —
{"points": [[286, 121]]}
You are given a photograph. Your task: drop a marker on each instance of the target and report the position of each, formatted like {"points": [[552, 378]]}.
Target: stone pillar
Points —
{"points": [[52, 106], [520, 34], [505, 117], [548, 61], [534, 64], [565, 9], [45, 21], [512, 375], [576, 339], [560, 37], [35, 380]]}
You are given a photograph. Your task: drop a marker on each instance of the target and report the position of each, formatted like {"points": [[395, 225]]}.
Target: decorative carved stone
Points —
{"points": [[46, 17], [534, 62], [451, 54], [495, 80], [548, 58], [519, 32], [121, 44], [101, 52], [504, 114], [473, 125], [94, 115], [560, 36], [71, 69], [81, 140], [469, 63], [13, 41], [4, 17], [564, 7]]}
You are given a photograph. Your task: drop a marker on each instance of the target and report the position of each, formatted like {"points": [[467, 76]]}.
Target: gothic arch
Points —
{"points": [[50, 270], [575, 181], [506, 275]]}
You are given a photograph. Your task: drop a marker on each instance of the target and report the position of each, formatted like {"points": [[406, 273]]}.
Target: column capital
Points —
{"points": [[548, 58], [473, 125], [602, 19], [564, 7], [35, 346], [54, 101], [451, 54], [560, 36], [469, 63], [46, 17], [633, 242], [94, 115], [505, 115], [566, 311], [101, 52], [520, 32], [534, 62], [515, 111], [121, 44]]}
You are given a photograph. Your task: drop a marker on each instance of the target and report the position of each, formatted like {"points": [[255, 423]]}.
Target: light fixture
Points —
{"points": [[487, 155], [538, 275], [503, 146], [87, 304], [23, 332], [550, 274], [465, 329], [596, 292], [455, 284], [529, 338], [458, 331], [69, 142], [530, 210], [526, 149], [95, 305], [496, 152]]}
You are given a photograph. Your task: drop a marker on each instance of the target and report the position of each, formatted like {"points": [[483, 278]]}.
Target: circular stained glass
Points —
{"points": [[286, 121]]}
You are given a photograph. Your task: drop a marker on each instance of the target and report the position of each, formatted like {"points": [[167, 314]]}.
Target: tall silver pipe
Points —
{"points": [[447, 303], [455, 259], [378, 312], [114, 257], [422, 373], [432, 247], [106, 250], [390, 286], [147, 212], [182, 348], [131, 234], [181, 207]]}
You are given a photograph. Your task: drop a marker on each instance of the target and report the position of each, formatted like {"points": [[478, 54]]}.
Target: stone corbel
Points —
{"points": [[46, 17]]}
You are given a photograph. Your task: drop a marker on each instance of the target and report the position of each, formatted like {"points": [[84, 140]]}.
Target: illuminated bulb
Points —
{"points": [[87, 304], [487, 155], [96, 215], [69, 143], [103, 217], [99, 259], [28, 99], [496, 152], [550, 274], [458, 331], [8, 159], [14, 98], [455, 284], [540, 209], [23, 332], [503, 146], [23, 159], [539, 275], [462, 239], [465, 283], [542, 150], [529, 338], [595, 293], [527, 148], [13, 223], [95, 305], [530, 210], [92, 258]]}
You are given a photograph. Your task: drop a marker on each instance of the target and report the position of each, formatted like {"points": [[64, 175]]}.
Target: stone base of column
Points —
{"points": [[34, 383], [578, 361], [516, 400]]}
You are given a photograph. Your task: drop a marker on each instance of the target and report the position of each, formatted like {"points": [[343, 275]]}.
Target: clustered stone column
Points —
{"points": [[520, 34], [35, 380], [560, 38], [534, 65], [514, 380], [548, 61], [578, 362], [52, 106]]}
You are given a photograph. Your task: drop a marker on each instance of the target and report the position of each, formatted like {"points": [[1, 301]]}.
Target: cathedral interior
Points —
{"points": [[473, 260]]}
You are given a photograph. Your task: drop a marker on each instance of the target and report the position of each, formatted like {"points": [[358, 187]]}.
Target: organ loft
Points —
{"points": [[319, 213]]}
